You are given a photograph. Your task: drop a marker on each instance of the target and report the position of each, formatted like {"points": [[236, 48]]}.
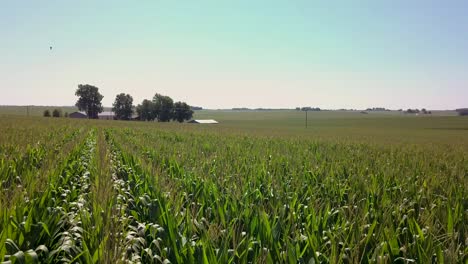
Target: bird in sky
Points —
{"points": [[50, 47]]}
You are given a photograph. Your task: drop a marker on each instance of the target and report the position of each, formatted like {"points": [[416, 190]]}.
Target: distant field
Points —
{"points": [[35, 110], [383, 127], [442, 127], [257, 188]]}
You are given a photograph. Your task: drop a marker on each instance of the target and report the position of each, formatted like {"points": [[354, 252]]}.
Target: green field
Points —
{"points": [[257, 188], [378, 127], [34, 110]]}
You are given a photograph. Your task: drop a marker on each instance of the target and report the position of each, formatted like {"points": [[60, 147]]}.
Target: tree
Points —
{"points": [[56, 113], [163, 107], [47, 113], [462, 111], [425, 111], [145, 110], [182, 111], [66, 114], [123, 106], [90, 100]]}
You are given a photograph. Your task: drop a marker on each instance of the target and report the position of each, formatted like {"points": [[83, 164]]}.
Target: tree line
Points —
{"points": [[160, 108], [55, 113], [417, 111], [462, 111]]}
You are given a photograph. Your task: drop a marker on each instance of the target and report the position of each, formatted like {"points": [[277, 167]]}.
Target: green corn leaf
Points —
{"points": [[31, 256], [45, 228], [449, 220], [29, 220], [440, 255], [19, 257], [420, 232]]}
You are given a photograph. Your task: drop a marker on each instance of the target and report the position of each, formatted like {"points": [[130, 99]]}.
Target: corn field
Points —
{"points": [[96, 192]]}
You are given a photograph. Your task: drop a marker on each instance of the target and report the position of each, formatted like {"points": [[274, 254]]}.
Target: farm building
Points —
{"points": [[103, 115], [203, 121], [106, 115], [78, 115]]}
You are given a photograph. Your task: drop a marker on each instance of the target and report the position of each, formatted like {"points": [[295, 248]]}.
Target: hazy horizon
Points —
{"points": [[243, 54]]}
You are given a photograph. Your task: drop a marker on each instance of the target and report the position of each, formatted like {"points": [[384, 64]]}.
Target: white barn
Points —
{"points": [[203, 121], [106, 115], [103, 115]]}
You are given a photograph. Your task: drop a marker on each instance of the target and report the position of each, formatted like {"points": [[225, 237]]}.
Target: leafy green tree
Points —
{"points": [[163, 107], [462, 112], [46, 113], [182, 111], [89, 100], [56, 113], [123, 106], [145, 110]]}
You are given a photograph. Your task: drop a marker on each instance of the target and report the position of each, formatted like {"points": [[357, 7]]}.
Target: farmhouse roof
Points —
{"points": [[106, 113], [77, 115], [204, 121]]}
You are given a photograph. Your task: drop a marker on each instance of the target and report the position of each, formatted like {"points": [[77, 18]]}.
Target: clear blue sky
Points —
{"points": [[221, 54]]}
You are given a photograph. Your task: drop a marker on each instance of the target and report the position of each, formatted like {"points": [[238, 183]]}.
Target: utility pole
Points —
{"points": [[27, 110], [306, 117]]}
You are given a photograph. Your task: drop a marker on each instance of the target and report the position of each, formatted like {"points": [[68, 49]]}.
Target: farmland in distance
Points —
{"points": [[257, 188]]}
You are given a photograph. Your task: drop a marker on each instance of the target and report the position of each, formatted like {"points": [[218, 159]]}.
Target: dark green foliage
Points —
{"points": [[412, 111], [163, 107], [123, 106], [56, 113], [46, 113], [182, 111], [462, 112], [308, 108], [145, 110], [89, 100]]}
